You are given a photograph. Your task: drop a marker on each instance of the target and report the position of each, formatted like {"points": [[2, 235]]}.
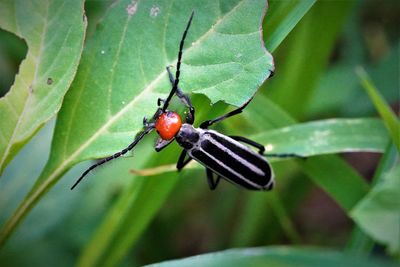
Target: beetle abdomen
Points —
{"points": [[233, 161]]}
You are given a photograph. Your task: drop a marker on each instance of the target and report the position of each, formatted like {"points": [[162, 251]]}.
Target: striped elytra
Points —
{"points": [[228, 158]]}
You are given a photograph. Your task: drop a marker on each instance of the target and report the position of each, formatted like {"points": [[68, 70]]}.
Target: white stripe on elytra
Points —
{"points": [[197, 146], [249, 165], [230, 170]]}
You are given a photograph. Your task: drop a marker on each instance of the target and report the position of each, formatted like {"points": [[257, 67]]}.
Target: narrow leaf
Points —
{"points": [[277, 257], [306, 53], [285, 17], [388, 116], [326, 137]]}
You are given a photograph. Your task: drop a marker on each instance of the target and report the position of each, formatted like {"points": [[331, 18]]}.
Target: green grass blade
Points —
{"points": [[284, 219], [326, 137], [277, 257], [305, 54], [126, 220], [384, 110], [282, 21]]}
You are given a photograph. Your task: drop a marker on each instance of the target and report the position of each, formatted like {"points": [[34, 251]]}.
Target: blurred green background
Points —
{"points": [[315, 79]]}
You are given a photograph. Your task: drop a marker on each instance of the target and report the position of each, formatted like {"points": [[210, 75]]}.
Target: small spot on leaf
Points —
{"points": [[154, 11], [132, 8], [49, 81]]}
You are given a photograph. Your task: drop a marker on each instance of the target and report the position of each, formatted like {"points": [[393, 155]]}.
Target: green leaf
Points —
{"points": [[378, 214], [314, 138], [388, 116], [131, 226], [277, 257], [359, 242], [54, 50], [326, 137], [122, 73]]}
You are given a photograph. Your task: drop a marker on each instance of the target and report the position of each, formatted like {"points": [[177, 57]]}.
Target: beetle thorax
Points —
{"points": [[187, 136]]}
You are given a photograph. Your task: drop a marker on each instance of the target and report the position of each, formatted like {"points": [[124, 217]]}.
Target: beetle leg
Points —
{"points": [[206, 124], [181, 161], [184, 98], [210, 179], [260, 147]]}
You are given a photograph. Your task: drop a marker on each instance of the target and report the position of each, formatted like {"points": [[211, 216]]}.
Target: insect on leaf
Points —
{"points": [[122, 73]]}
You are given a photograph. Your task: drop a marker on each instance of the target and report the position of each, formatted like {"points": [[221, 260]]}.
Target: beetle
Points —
{"points": [[221, 155]]}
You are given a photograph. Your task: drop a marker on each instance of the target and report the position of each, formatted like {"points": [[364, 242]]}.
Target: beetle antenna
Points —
{"points": [[178, 65], [139, 136]]}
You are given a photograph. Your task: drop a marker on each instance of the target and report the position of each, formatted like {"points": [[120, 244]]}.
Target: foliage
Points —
{"points": [[100, 89], [47, 71]]}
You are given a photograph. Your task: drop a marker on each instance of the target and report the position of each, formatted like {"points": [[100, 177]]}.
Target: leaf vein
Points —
{"points": [[116, 60]]}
